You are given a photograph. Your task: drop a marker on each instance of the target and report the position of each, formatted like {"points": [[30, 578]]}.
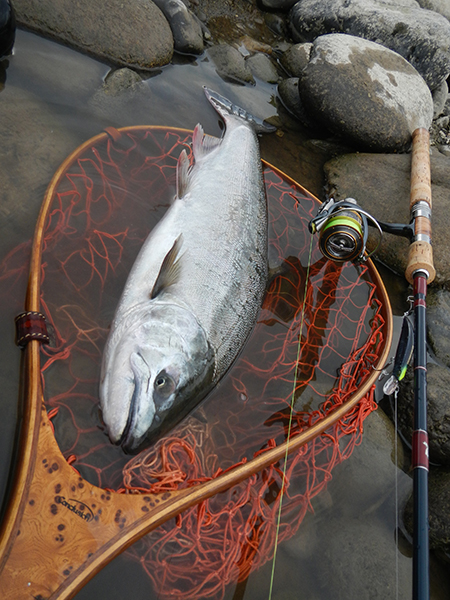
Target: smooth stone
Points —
{"points": [[372, 465], [277, 24], [296, 58], [138, 36], [438, 510], [290, 99], [440, 96], [420, 36], [262, 67], [361, 559], [7, 28], [438, 411], [278, 4], [186, 27], [120, 81], [360, 530], [364, 93], [381, 185], [438, 324], [440, 6], [230, 64], [251, 45]]}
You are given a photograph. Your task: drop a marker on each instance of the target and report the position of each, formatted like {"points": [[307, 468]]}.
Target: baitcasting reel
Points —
{"points": [[343, 230]]}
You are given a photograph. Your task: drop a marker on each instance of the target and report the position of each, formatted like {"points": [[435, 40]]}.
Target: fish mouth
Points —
{"points": [[126, 440]]}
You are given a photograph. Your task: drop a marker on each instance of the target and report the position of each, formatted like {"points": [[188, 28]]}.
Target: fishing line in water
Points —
{"points": [[272, 576]]}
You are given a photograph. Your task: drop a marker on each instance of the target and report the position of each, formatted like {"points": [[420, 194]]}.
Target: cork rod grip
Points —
{"points": [[420, 252]]}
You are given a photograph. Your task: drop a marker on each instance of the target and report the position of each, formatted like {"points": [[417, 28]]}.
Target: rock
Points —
{"points": [[381, 185], [7, 28], [262, 67], [358, 551], [290, 99], [295, 59], [278, 4], [438, 324], [186, 27], [121, 80], [438, 417], [364, 92], [251, 45], [230, 64], [360, 535], [371, 465], [440, 6], [277, 24], [420, 36], [138, 36], [440, 95], [438, 510]]}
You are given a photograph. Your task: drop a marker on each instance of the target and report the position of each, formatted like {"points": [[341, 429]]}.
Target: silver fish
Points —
{"points": [[195, 290]]}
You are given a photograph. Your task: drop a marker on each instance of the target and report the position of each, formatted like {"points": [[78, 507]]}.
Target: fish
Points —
{"points": [[196, 288]]}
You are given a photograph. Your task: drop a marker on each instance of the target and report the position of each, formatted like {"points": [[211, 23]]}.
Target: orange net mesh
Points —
{"points": [[105, 200]]}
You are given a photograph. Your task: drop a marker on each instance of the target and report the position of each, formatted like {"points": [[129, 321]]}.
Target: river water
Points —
{"points": [[51, 102]]}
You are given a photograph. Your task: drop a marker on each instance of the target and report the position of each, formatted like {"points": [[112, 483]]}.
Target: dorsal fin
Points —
{"points": [[183, 167], [169, 272], [203, 144]]}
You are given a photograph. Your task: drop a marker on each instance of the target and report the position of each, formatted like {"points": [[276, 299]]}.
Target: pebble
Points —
{"points": [[230, 64], [121, 80], [262, 67]]}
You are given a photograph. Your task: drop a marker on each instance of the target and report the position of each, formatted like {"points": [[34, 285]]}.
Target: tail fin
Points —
{"points": [[225, 108]]}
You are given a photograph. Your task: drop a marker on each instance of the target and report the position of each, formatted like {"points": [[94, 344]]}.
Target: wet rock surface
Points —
{"points": [[420, 36], [438, 515], [389, 99], [381, 185], [186, 28], [438, 324], [438, 382], [138, 37]]}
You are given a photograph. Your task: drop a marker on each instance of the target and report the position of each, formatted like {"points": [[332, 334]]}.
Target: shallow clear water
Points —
{"points": [[52, 95]]}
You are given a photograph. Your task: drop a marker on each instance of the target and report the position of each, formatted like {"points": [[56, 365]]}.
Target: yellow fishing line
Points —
{"points": [[272, 576]]}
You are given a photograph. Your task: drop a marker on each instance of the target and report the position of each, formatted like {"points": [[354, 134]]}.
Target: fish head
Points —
{"points": [[154, 371]]}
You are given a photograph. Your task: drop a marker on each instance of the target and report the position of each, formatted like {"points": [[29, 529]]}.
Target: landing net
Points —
{"points": [[106, 198]]}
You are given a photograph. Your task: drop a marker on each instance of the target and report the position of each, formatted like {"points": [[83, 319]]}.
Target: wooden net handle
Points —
{"points": [[420, 256]]}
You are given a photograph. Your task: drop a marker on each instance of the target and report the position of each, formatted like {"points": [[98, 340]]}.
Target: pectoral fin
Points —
{"points": [[169, 272]]}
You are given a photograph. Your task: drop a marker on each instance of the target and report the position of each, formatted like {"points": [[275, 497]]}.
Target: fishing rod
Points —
{"points": [[343, 233]]}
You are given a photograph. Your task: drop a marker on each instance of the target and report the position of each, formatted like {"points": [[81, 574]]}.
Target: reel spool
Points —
{"points": [[343, 230]]}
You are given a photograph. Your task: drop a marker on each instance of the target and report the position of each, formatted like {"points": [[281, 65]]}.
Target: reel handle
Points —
{"points": [[420, 255]]}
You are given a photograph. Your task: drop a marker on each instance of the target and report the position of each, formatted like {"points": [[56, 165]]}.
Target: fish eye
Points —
{"points": [[164, 384]]}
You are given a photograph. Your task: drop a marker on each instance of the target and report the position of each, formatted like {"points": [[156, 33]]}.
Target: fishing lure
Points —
{"points": [[402, 356]]}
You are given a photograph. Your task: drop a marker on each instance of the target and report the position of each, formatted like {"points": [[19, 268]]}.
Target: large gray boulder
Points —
{"points": [[135, 34], [420, 36], [364, 92], [438, 324], [438, 411]]}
